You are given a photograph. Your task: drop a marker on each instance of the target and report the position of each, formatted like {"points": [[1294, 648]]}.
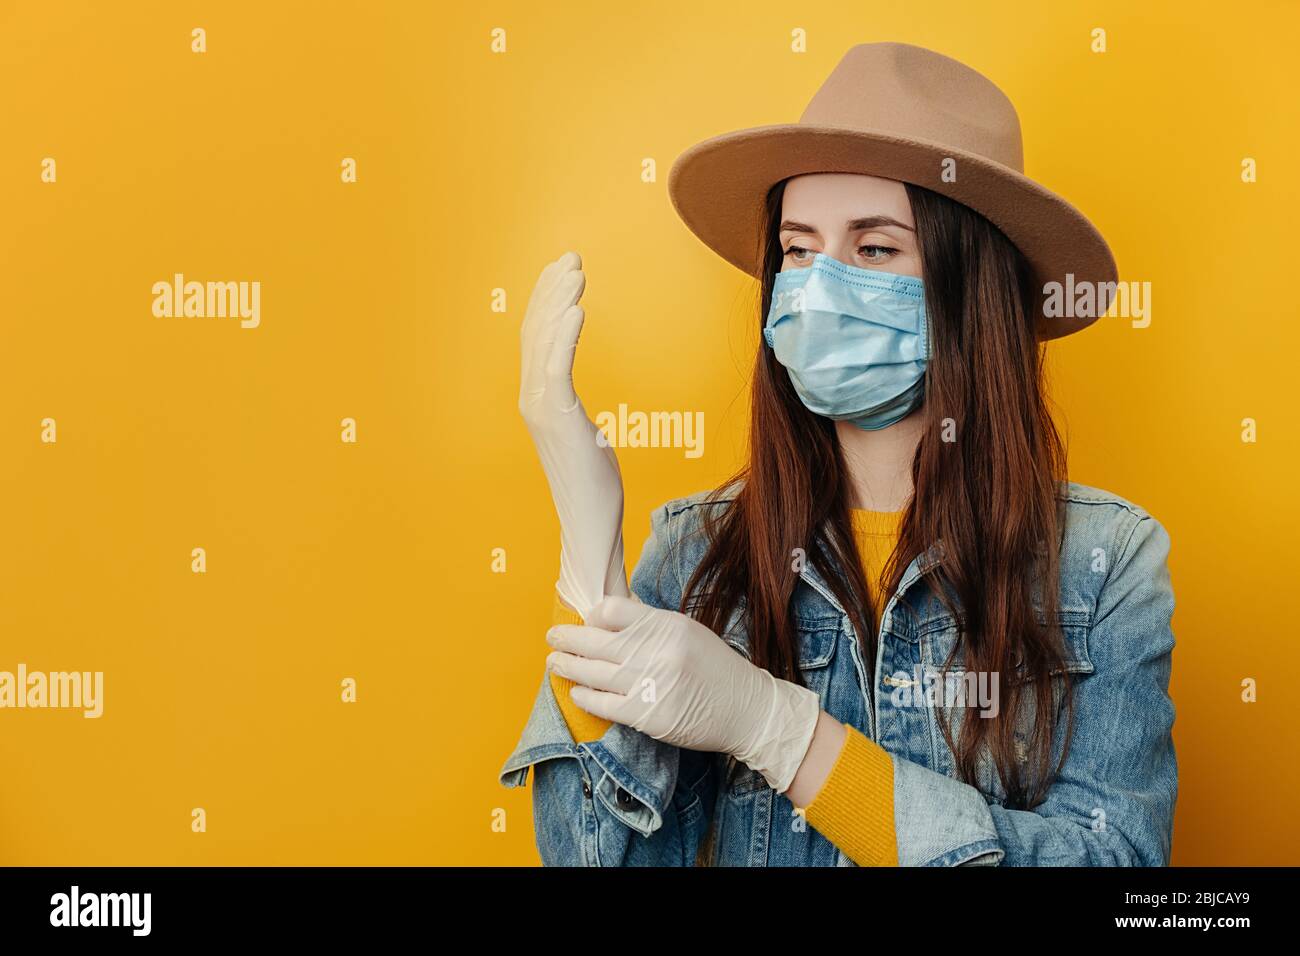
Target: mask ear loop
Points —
{"points": [[926, 346]]}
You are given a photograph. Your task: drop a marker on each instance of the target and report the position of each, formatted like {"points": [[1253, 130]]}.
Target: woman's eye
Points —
{"points": [[877, 253], [873, 253]]}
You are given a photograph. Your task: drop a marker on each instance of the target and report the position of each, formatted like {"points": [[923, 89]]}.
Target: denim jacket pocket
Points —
{"points": [[955, 693]]}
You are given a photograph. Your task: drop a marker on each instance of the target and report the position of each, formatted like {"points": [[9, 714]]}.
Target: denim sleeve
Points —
{"points": [[625, 799], [1112, 804]]}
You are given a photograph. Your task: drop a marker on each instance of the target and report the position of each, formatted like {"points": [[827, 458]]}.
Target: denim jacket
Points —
{"points": [[630, 800]]}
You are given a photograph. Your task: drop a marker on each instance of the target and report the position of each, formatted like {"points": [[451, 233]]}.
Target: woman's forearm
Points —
{"points": [[827, 742], [845, 790]]}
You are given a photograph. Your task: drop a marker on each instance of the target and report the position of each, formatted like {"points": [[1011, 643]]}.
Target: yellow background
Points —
{"points": [[373, 561]]}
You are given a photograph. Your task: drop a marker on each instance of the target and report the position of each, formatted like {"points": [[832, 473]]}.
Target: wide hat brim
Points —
{"points": [[719, 186]]}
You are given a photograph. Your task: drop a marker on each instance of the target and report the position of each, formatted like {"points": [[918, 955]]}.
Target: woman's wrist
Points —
{"points": [[827, 742]]}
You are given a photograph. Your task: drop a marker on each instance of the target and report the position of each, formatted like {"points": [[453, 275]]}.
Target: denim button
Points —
{"points": [[586, 789], [624, 799]]}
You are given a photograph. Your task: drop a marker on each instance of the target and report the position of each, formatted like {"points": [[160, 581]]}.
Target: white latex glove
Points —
{"points": [[584, 477], [669, 676]]}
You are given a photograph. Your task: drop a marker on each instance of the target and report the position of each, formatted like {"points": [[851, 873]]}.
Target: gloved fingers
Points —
{"points": [[537, 350], [565, 293], [530, 379], [615, 613], [599, 675], [544, 289], [559, 363], [588, 641], [552, 295], [598, 703]]}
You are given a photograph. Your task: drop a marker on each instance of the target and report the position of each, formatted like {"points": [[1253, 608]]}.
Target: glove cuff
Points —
{"points": [[782, 744]]}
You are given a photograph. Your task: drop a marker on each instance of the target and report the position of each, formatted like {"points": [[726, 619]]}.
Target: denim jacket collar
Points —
{"points": [[918, 566]]}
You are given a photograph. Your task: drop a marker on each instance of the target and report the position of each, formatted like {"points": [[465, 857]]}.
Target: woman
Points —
{"points": [[899, 635]]}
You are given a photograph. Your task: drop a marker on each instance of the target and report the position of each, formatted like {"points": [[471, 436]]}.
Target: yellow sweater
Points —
{"points": [[855, 807]]}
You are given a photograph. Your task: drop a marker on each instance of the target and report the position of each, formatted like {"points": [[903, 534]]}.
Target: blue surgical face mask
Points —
{"points": [[855, 341]]}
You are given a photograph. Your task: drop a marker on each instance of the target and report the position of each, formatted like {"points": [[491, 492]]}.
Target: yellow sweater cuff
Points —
{"points": [[585, 727], [855, 807]]}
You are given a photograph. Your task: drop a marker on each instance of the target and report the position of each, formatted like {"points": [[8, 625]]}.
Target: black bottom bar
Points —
{"points": [[207, 905]]}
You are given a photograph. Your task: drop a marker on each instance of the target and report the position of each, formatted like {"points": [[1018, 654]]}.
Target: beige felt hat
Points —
{"points": [[897, 111]]}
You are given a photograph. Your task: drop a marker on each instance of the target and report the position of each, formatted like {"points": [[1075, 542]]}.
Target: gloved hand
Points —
{"points": [[584, 477], [669, 676]]}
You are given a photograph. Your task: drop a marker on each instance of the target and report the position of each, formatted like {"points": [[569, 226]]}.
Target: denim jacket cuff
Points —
{"points": [[940, 821], [641, 768], [544, 736], [634, 775]]}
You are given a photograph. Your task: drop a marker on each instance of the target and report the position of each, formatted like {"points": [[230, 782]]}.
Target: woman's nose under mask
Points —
{"points": [[855, 341]]}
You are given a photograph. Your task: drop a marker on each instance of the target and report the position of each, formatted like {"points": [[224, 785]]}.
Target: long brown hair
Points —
{"points": [[989, 493]]}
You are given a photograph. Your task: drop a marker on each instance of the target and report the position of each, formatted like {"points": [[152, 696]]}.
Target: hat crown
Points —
{"points": [[907, 91]]}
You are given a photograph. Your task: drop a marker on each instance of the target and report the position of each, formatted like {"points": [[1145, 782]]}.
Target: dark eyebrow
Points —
{"points": [[853, 225], [871, 222]]}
